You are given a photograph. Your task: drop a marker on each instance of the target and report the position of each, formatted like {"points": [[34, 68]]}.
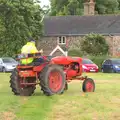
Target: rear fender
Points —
{"points": [[40, 67]]}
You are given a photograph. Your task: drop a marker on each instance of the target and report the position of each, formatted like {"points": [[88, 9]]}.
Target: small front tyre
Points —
{"points": [[88, 85]]}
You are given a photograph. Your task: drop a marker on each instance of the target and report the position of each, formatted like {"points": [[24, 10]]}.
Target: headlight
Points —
{"points": [[97, 67], [116, 67], [84, 67], [8, 66]]}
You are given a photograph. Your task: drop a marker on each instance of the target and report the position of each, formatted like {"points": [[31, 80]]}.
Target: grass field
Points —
{"points": [[103, 104]]}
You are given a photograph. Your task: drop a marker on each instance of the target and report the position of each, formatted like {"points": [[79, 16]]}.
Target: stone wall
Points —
{"points": [[109, 40], [116, 45], [74, 42], [49, 43]]}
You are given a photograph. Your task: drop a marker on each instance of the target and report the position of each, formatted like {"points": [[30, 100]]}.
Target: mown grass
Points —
{"points": [[103, 104], [13, 107]]}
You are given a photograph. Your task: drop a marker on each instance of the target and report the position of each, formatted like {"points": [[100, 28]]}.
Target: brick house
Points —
{"points": [[62, 29]]}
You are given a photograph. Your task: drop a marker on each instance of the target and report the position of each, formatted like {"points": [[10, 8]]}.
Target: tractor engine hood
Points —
{"points": [[63, 60]]}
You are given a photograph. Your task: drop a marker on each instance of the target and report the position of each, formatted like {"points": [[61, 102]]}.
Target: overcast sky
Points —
{"points": [[44, 2]]}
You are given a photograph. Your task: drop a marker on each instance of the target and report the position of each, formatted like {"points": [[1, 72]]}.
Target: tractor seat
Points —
{"points": [[36, 62], [38, 59]]}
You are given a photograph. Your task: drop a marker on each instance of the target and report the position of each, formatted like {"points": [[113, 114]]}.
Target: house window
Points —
{"points": [[62, 40]]}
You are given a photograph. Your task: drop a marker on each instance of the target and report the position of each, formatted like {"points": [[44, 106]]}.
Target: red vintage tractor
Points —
{"points": [[52, 74]]}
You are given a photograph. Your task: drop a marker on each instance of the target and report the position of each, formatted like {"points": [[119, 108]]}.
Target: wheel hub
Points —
{"points": [[89, 86], [55, 81]]}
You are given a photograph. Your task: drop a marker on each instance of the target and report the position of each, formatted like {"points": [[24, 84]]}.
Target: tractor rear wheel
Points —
{"points": [[88, 85], [52, 80], [66, 86], [16, 87]]}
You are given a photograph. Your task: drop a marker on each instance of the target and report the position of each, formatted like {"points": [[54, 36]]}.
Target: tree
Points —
{"points": [[94, 44], [19, 20], [66, 7], [75, 7], [107, 6]]}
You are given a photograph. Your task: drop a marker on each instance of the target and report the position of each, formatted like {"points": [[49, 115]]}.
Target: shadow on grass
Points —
{"points": [[38, 94]]}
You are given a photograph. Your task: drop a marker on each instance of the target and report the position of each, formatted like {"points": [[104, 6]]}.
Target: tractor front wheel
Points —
{"points": [[17, 89], [88, 85], [52, 80]]}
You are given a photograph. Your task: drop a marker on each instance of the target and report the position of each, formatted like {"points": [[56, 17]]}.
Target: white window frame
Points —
{"points": [[62, 40]]}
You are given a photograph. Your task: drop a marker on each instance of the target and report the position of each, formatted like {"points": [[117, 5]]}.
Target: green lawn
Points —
{"points": [[103, 104]]}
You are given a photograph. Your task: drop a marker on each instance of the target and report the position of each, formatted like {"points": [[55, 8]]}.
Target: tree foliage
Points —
{"points": [[107, 6], [75, 7], [94, 44], [66, 7], [19, 20]]}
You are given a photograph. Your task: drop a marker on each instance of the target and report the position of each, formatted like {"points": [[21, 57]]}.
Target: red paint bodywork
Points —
{"points": [[27, 73], [62, 60], [90, 68], [66, 60], [72, 67], [39, 68]]}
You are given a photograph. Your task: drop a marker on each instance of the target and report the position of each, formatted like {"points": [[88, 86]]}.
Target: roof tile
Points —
{"points": [[81, 25]]}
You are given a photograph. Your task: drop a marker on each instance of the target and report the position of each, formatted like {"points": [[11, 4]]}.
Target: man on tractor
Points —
{"points": [[30, 48], [52, 75]]}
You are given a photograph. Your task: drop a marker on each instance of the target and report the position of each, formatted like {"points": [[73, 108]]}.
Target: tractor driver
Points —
{"points": [[30, 48]]}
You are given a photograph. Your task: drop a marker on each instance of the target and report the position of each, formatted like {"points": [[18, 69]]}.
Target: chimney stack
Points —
{"points": [[89, 7]]}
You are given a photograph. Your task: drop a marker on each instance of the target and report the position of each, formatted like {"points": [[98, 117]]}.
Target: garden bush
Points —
{"points": [[75, 52], [98, 60], [94, 44]]}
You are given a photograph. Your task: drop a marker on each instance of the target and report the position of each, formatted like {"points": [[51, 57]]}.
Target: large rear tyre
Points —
{"points": [[88, 85], [52, 80], [66, 86], [17, 89]]}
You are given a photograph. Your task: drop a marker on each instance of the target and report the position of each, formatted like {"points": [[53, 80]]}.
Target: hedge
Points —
{"points": [[98, 60], [75, 52]]}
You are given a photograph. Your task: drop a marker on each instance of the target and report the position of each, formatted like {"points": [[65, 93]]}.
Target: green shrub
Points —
{"points": [[98, 60], [94, 44], [75, 52]]}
